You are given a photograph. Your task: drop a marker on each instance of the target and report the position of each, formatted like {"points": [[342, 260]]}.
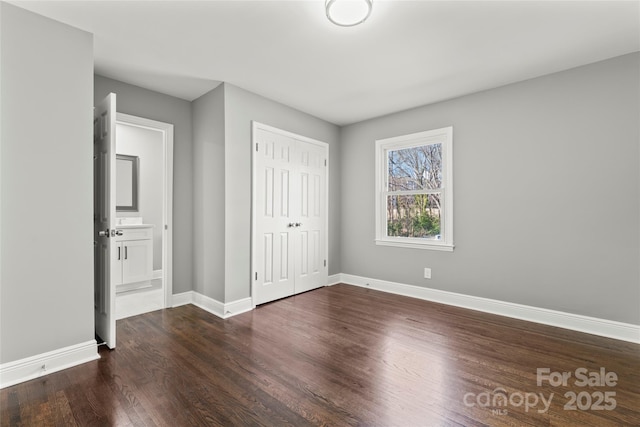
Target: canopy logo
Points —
{"points": [[499, 399]]}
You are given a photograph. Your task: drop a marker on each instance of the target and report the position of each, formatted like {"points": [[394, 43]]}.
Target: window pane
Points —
{"points": [[416, 168], [417, 216]]}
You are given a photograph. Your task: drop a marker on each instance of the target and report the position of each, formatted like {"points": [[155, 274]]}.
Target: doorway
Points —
{"points": [[144, 200], [290, 215]]}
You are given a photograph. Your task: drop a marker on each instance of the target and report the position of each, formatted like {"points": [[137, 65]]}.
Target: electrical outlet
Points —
{"points": [[427, 273]]}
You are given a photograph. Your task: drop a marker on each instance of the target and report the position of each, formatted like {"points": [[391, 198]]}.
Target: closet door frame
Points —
{"points": [[256, 185]]}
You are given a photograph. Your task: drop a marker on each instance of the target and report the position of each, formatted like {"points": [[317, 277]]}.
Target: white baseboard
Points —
{"points": [[575, 322], [47, 363], [128, 287], [334, 279], [133, 304], [213, 306], [183, 298], [209, 304], [236, 307]]}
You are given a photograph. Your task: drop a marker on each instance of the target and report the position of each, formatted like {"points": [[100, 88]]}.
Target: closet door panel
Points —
{"points": [[310, 271], [274, 170]]}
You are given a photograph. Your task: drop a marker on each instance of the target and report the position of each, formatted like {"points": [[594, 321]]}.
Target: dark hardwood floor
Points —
{"points": [[336, 356]]}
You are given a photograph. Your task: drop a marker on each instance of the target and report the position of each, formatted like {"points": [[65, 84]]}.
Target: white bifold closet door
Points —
{"points": [[290, 214]]}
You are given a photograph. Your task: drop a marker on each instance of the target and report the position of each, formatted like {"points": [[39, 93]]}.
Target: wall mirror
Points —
{"points": [[127, 183]]}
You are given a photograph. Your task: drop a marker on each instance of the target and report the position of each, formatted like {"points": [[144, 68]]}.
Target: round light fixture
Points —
{"points": [[348, 13]]}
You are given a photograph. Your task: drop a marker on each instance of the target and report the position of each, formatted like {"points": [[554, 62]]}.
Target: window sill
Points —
{"points": [[415, 245]]}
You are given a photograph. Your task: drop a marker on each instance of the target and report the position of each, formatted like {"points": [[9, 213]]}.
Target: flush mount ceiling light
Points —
{"points": [[348, 13]]}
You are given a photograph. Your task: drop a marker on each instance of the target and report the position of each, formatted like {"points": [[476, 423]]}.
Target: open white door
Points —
{"points": [[104, 217]]}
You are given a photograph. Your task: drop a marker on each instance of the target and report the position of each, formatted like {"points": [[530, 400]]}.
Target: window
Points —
{"points": [[414, 192]]}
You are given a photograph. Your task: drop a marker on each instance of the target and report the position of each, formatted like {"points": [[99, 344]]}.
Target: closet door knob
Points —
{"points": [[298, 224]]}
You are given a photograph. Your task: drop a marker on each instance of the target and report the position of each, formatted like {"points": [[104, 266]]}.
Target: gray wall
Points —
{"points": [[546, 193], [46, 176], [147, 145], [208, 194], [225, 197], [164, 108], [241, 108], [216, 212]]}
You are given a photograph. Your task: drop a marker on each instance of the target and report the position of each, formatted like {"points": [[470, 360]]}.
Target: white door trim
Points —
{"points": [[167, 200], [254, 128]]}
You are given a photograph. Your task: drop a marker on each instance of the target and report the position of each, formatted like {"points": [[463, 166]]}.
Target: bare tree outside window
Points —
{"points": [[415, 179]]}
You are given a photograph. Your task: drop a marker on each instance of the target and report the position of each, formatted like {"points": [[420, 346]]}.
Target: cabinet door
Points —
{"points": [[116, 262], [137, 262]]}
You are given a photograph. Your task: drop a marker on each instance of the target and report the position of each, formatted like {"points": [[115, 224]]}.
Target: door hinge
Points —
{"points": [[256, 275], [256, 146], [325, 262], [166, 226], [325, 162]]}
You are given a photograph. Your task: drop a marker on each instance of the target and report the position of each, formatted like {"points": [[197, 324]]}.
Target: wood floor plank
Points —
{"points": [[336, 356]]}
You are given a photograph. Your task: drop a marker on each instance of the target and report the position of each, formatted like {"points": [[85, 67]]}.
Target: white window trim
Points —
{"points": [[444, 136]]}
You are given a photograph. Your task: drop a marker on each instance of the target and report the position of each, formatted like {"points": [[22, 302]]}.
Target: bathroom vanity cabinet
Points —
{"points": [[134, 256]]}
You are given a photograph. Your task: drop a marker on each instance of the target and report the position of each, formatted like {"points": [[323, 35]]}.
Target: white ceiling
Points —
{"points": [[408, 53]]}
